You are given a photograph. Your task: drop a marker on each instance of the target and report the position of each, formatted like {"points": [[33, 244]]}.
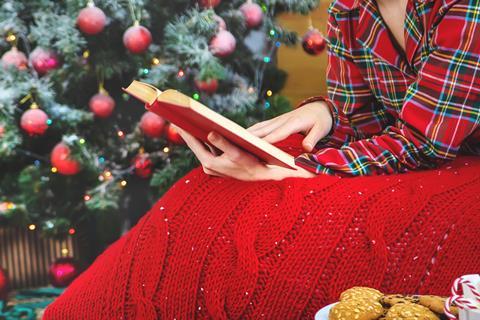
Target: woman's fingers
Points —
{"points": [[196, 146], [314, 135], [231, 152], [258, 125], [285, 130], [267, 129]]}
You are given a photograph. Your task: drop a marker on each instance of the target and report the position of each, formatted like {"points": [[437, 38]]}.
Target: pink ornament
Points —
{"points": [[209, 86], [60, 159], [152, 125], [91, 20], [34, 122], [63, 271], [223, 44], [209, 3], [221, 23], [43, 60], [102, 105], [252, 13], [2, 131], [137, 39], [16, 58]]}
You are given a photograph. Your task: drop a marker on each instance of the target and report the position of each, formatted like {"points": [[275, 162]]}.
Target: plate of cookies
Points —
{"points": [[363, 303]]}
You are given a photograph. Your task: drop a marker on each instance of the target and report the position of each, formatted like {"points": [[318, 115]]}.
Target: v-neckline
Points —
{"points": [[402, 51]]}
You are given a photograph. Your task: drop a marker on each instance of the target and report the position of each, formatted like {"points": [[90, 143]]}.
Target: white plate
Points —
{"points": [[322, 314]]}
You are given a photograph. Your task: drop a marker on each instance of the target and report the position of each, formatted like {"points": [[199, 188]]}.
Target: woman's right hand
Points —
{"points": [[313, 119]]}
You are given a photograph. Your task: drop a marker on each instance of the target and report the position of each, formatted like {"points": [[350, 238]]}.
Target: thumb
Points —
{"points": [[313, 136]]}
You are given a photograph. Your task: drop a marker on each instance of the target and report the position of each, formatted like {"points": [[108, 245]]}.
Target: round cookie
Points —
{"points": [[392, 299], [436, 304], [361, 292], [356, 309], [410, 311]]}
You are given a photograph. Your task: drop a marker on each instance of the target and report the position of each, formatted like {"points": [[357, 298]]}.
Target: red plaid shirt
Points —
{"points": [[395, 112]]}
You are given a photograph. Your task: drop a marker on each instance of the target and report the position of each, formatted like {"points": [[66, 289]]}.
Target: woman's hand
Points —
{"points": [[313, 119], [236, 163]]}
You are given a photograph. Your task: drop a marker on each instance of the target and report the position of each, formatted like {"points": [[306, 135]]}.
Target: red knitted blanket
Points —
{"points": [[226, 249]]}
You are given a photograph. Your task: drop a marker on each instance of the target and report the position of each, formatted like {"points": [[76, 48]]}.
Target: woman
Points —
{"points": [[265, 241]]}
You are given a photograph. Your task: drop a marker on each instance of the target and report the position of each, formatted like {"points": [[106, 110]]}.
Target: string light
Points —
{"points": [[86, 54], [196, 96], [11, 37], [10, 205], [64, 251], [36, 163], [269, 93], [101, 178], [155, 61], [267, 104], [32, 227], [54, 170], [108, 174], [145, 71], [49, 122], [278, 44], [123, 183], [120, 133], [266, 59], [166, 149], [272, 32], [82, 141], [251, 90], [180, 73], [101, 159], [71, 231], [87, 197]]}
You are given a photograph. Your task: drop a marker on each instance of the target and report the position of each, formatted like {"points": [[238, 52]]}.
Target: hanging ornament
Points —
{"points": [[137, 38], [143, 165], [102, 104], [252, 13], [152, 125], [2, 130], [4, 285], [43, 60], [91, 20], [221, 23], [34, 122], [63, 271], [209, 3], [173, 135], [209, 86], [313, 42], [14, 57], [60, 159], [223, 44]]}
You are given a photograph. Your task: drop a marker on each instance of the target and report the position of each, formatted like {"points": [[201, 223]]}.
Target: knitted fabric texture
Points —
{"points": [[222, 248]]}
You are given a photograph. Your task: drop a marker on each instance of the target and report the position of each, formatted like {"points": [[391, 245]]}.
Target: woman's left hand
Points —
{"points": [[236, 163]]}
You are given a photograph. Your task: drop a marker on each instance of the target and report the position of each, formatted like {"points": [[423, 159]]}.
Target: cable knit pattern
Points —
{"points": [[227, 249]]}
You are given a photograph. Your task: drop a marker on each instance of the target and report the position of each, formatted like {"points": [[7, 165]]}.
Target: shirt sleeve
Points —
{"points": [[441, 109], [355, 111]]}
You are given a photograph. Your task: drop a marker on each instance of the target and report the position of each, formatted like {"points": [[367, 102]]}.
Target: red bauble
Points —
{"points": [[173, 135], [252, 13], [16, 58], [44, 60], [209, 3], [152, 125], [2, 130], [223, 44], [91, 20], [313, 42], [209, 86], [34, 122], [143, 165], [137, 39], [63, 271], [4, 285], [102, 105], [60, 159]]}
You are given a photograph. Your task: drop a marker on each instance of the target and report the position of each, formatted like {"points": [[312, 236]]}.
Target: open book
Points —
{"points": [[198, 120]]}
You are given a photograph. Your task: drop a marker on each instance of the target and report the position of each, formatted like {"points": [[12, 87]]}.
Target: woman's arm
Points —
{"points": [[440, 109], [356, 113]]}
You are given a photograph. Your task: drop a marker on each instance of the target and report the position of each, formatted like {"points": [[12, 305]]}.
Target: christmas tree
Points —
{"points": [[71, 143]]}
